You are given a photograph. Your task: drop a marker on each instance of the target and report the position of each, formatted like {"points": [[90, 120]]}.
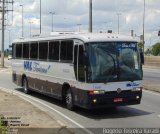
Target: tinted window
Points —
{"points": [[26, 50], [54, 50], [34, 50], [18, 50], [67, 50], [13, 50], [75, 60], [43, 50], [81, 70]]}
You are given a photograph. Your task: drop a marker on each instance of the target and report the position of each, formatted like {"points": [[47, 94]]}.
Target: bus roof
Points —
{"points": [[85, 37]]}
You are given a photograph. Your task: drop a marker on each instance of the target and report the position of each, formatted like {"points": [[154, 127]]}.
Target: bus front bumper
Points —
{"points": [[111, 99]]}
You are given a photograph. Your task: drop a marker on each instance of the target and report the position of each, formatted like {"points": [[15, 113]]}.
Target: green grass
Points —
{"points": [[3, 126]]}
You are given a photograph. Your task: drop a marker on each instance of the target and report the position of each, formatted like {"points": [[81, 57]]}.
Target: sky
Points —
{"points": [[70, 13]]}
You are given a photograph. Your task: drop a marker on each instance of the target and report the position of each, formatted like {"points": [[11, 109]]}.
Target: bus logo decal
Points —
{"points": [[119, 90], [36, 67], [28, 65], [132, 84]]}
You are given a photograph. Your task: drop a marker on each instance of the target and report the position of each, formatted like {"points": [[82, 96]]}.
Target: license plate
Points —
{"points": [[118, 100]]}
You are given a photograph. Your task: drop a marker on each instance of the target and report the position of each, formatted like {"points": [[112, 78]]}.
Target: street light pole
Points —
{"points": [[30, 22], [90, 16], [22, 21], [144, 22], [118, 14], [9, 37], [3, 34], [79, 28], [106, 25], [52, 13], [40, 17]]}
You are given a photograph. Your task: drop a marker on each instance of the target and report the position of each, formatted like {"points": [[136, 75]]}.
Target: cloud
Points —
{"points": [[69, 13]]}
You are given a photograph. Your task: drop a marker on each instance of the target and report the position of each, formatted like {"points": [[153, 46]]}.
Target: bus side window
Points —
{"points": [[14, 51], [81, 70], [43, 50], [34, 50], [26, 50], [67, 51], [54, 50], [75, 60], [18, 51]]}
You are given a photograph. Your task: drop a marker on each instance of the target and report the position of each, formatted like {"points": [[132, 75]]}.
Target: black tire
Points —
{"points": [[69, 100], [25, 86]]}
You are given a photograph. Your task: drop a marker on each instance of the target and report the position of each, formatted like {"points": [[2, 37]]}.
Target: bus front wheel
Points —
{"points": [[69, 100], [25, 86]]}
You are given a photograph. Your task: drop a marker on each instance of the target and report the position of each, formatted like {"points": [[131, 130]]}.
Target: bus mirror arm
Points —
{"points": [[85, 61], [142, 58], [85, 68]]}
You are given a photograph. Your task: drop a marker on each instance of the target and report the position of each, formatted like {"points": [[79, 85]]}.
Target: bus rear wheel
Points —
{"points": [[25, 86], [69, 100]]}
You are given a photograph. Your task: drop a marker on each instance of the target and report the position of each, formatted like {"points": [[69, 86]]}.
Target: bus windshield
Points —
{"points": [[113, 62]]}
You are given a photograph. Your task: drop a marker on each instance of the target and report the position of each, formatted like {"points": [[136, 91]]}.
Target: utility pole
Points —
{"points": [[90, 16], [5, 8], [52, 13], [2, 45], [22, 21], [118, 14], [144, 22]]}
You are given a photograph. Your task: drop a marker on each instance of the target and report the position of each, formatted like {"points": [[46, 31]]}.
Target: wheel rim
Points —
{"points": [[69, 98], [25, 86]]}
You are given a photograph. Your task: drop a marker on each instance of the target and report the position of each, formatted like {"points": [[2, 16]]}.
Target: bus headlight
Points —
{"points": [[92, 92], [137, 97], [137, 89], [94, 100]]}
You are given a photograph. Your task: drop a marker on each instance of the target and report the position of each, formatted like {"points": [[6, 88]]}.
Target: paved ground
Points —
{"points": [[152, 86], [26, 118], [153, 61], [21, 114], [151, 78], [31, 117]]}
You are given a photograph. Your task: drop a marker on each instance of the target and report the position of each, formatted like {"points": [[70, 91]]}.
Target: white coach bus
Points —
{"points": [[87, 70]]}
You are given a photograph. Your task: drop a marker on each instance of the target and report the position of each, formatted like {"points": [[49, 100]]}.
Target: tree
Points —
{"points": [[140, 45], [156, 49]]}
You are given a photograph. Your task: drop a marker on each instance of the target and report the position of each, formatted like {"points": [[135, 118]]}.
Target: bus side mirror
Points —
{"points": [[142, 58]]}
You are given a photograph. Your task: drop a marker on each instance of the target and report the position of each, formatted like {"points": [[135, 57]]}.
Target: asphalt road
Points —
{"points": [[145, 115]]}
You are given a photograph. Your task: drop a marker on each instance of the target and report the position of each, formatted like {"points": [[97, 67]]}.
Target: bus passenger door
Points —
{"points": [[79, 63]]}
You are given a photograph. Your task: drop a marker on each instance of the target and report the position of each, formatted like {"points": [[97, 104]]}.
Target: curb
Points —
{"points": [[154, 90], [28, 129], [151, 67]]}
